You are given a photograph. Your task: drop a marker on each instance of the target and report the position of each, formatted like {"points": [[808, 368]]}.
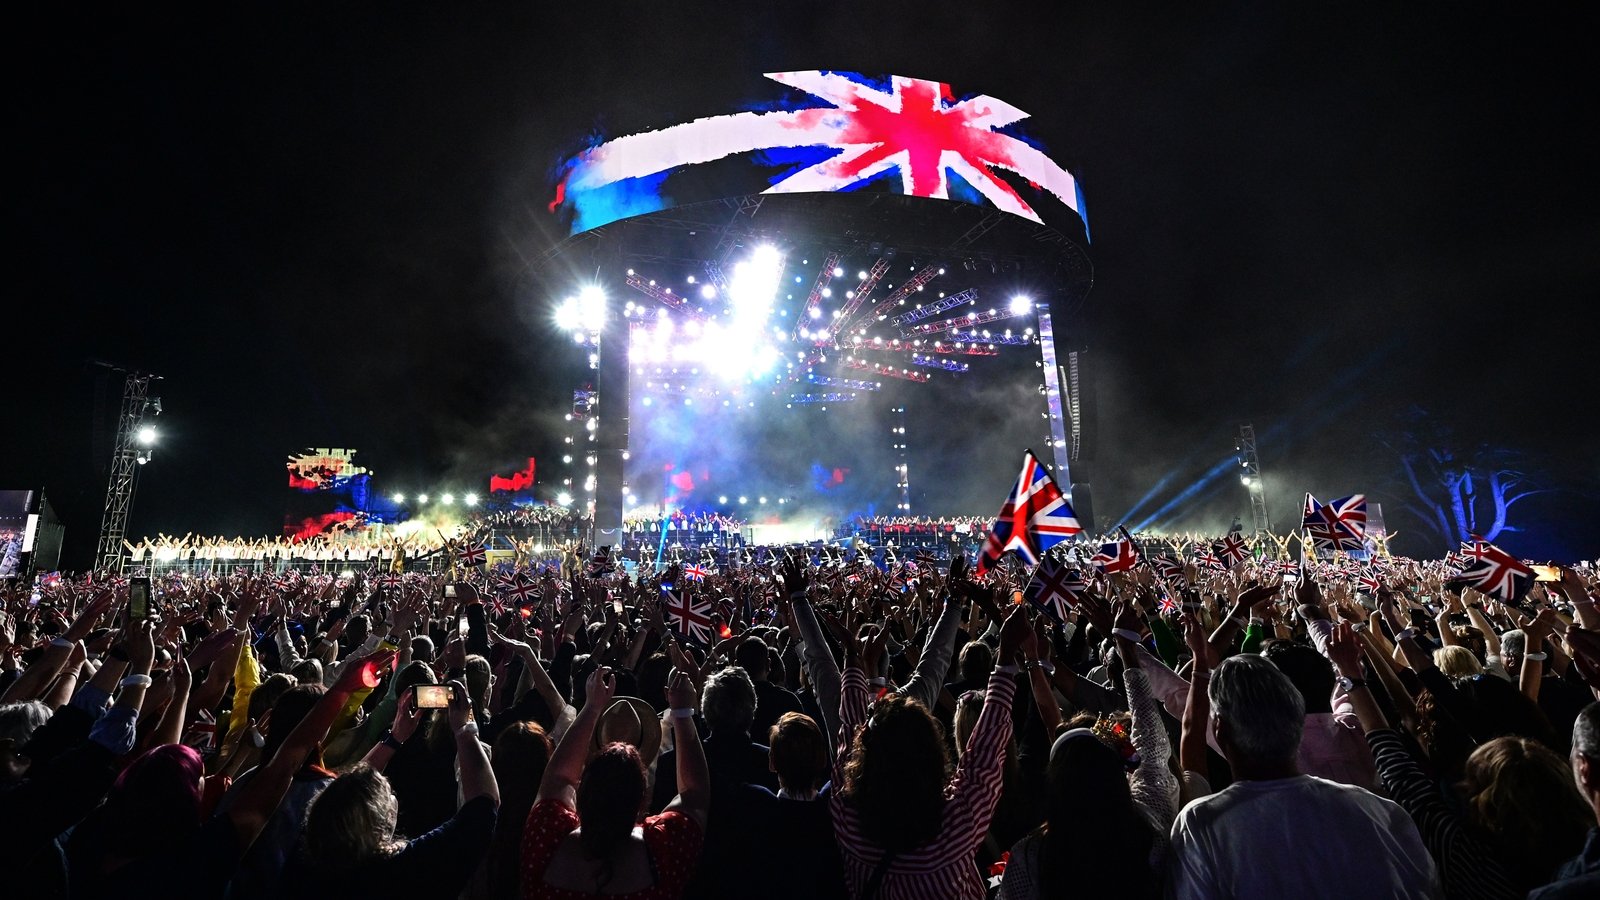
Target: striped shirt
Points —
{"points": [[943, 868]]}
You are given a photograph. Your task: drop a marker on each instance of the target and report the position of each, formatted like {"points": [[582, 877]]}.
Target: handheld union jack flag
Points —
{"points": [[689, 616], [1368, 582], [1205, 559], [473, 556], [1495, 572], [1117, 556], [695, 572], [1232, 550], [1338, 525], [1034, 518], [1289, 569], [1166, 605], [1054, 588], [523, 591], [1167, 567]]}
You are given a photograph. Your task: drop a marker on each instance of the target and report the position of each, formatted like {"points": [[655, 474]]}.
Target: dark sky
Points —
{"points": [[312, 224]]}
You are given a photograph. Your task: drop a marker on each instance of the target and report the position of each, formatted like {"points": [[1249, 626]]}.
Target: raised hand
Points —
{"points": [[1344, 649], [460, 706], [600, 688], [681, 693]]}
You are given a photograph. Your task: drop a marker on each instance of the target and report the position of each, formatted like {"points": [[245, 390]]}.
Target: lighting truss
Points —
{"points": [[933, 362], [970, 320], [861, 365], [917, 282], [814, 301], [928, 310], [852, 383], [827, 397], [665, 297], [874, 275]]}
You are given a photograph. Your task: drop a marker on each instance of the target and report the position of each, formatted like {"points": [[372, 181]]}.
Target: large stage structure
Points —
{"points": [[894, 284]]}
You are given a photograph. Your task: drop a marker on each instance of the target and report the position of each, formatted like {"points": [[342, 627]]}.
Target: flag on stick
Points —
{"points": [[1034, 518]]}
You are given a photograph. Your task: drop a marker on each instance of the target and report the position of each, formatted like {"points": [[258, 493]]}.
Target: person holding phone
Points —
{"points": [[351, 848]]}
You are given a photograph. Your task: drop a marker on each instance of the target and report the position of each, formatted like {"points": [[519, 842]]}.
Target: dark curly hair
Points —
{"points": [[896, 774]]}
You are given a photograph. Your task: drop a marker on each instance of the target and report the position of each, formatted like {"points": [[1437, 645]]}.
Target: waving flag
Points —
{"points": [[1166, 605], [689, 616], [1495, 572], [1205, 559], [1338, 525], [1054, 588], [1167, 567], [523, 591], [1232, 550], [1289, 569], [1034, 518], [1117, 556], [473, 556], [1369, 583], [695, 572]]}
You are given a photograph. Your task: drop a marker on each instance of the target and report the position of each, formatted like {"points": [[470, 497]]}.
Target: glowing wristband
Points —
{"points": [[683, 713], [143, 681], [1536, 657]]}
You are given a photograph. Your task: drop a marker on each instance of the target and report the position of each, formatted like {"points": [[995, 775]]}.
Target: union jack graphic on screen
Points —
{"points": [[1339, 524], [1033, 519], [1496, 573], [912, 127]]}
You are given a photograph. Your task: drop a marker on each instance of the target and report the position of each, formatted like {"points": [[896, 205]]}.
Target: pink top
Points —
{"points": [[672, 839]]}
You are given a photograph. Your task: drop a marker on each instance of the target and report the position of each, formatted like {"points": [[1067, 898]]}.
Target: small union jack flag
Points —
{"points": [[390, 581], [695, 572], [473, 556], [523, 591], [1289, 569], [1232, 550], [1368, 582], [1034, 518], [690, 617], [1166, 605], [1205, 559], [1054, 588], [1117, 556], [1340, 524], [1167, 567], [1495, 572]]}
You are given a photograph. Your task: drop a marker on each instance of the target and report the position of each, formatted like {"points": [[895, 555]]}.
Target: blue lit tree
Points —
{"points": [[1458, 492]]}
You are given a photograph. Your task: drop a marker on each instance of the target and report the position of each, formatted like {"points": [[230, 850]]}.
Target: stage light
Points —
{"points": [[722, 499], [592, 424], [399, 498], [690, 279], [142, 458], [146, 435], [861, 276], [708, 292], [1244, 480], [838, 271], [422, 498], [743, 500], [447, 499], [563, 499]]}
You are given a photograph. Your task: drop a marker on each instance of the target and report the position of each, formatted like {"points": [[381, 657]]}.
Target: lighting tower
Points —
{"points": [[902, 471], [1060, 453], [134, 446], [1251, 479]]}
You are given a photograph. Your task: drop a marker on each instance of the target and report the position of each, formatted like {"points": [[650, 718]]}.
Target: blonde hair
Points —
{"points": [[352, 820], [1457, 662]]}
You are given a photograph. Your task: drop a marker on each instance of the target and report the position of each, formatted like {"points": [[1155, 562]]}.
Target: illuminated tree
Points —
{"points": [[1459, 492]]}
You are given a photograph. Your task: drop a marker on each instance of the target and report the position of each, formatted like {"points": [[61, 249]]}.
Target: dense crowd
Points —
{"points": [[841, 731]]}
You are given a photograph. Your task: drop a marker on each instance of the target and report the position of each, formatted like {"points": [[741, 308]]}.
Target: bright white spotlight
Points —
{"points": [[838, 271], [1020, 304], [590, 306], [447, 499], [816, 312], [723, 499], [744, 499], [708, 291], [147, 435], [399, 498], [422, 498], [470, 499], [563, 499]]}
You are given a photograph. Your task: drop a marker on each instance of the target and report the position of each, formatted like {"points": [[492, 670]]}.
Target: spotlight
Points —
{"points": [[447, 499], [563, 499], [399, 498], [422, 498], [838, 271], [470, 499], [1020, 304], [146, 435]]}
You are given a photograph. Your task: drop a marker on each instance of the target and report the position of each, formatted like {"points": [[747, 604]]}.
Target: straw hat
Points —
{"points": [[631, 721]]}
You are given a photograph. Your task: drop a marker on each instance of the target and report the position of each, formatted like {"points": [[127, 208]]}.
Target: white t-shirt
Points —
{"points": [[1302, 838]]}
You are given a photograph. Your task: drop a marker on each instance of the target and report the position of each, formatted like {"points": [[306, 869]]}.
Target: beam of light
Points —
{"points": [[1223, 467]]}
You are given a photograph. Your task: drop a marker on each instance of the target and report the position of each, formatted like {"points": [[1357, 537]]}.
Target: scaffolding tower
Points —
{"points": [[130, 453], [1252, 479]]}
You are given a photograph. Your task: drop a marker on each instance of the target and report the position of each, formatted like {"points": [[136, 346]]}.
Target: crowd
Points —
{"points": [[841, 732]]}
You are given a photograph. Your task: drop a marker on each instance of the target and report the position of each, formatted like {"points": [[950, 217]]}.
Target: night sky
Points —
{"points": [[315, 224]]}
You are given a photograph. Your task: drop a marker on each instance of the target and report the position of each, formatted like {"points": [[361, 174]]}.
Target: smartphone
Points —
{"points": [[450, 590], [138, 599], [1546, 573], [616, 607], [434, 696]]}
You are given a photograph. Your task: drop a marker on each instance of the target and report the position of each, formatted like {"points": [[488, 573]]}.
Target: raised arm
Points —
{"points": [[477, 776], [694, 777], [565, 769]]}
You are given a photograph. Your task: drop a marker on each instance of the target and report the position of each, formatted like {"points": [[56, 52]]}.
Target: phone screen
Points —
{"points": [[434, 696], [616, 607], [449, 590], [139, 599], [1546, 573]]}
